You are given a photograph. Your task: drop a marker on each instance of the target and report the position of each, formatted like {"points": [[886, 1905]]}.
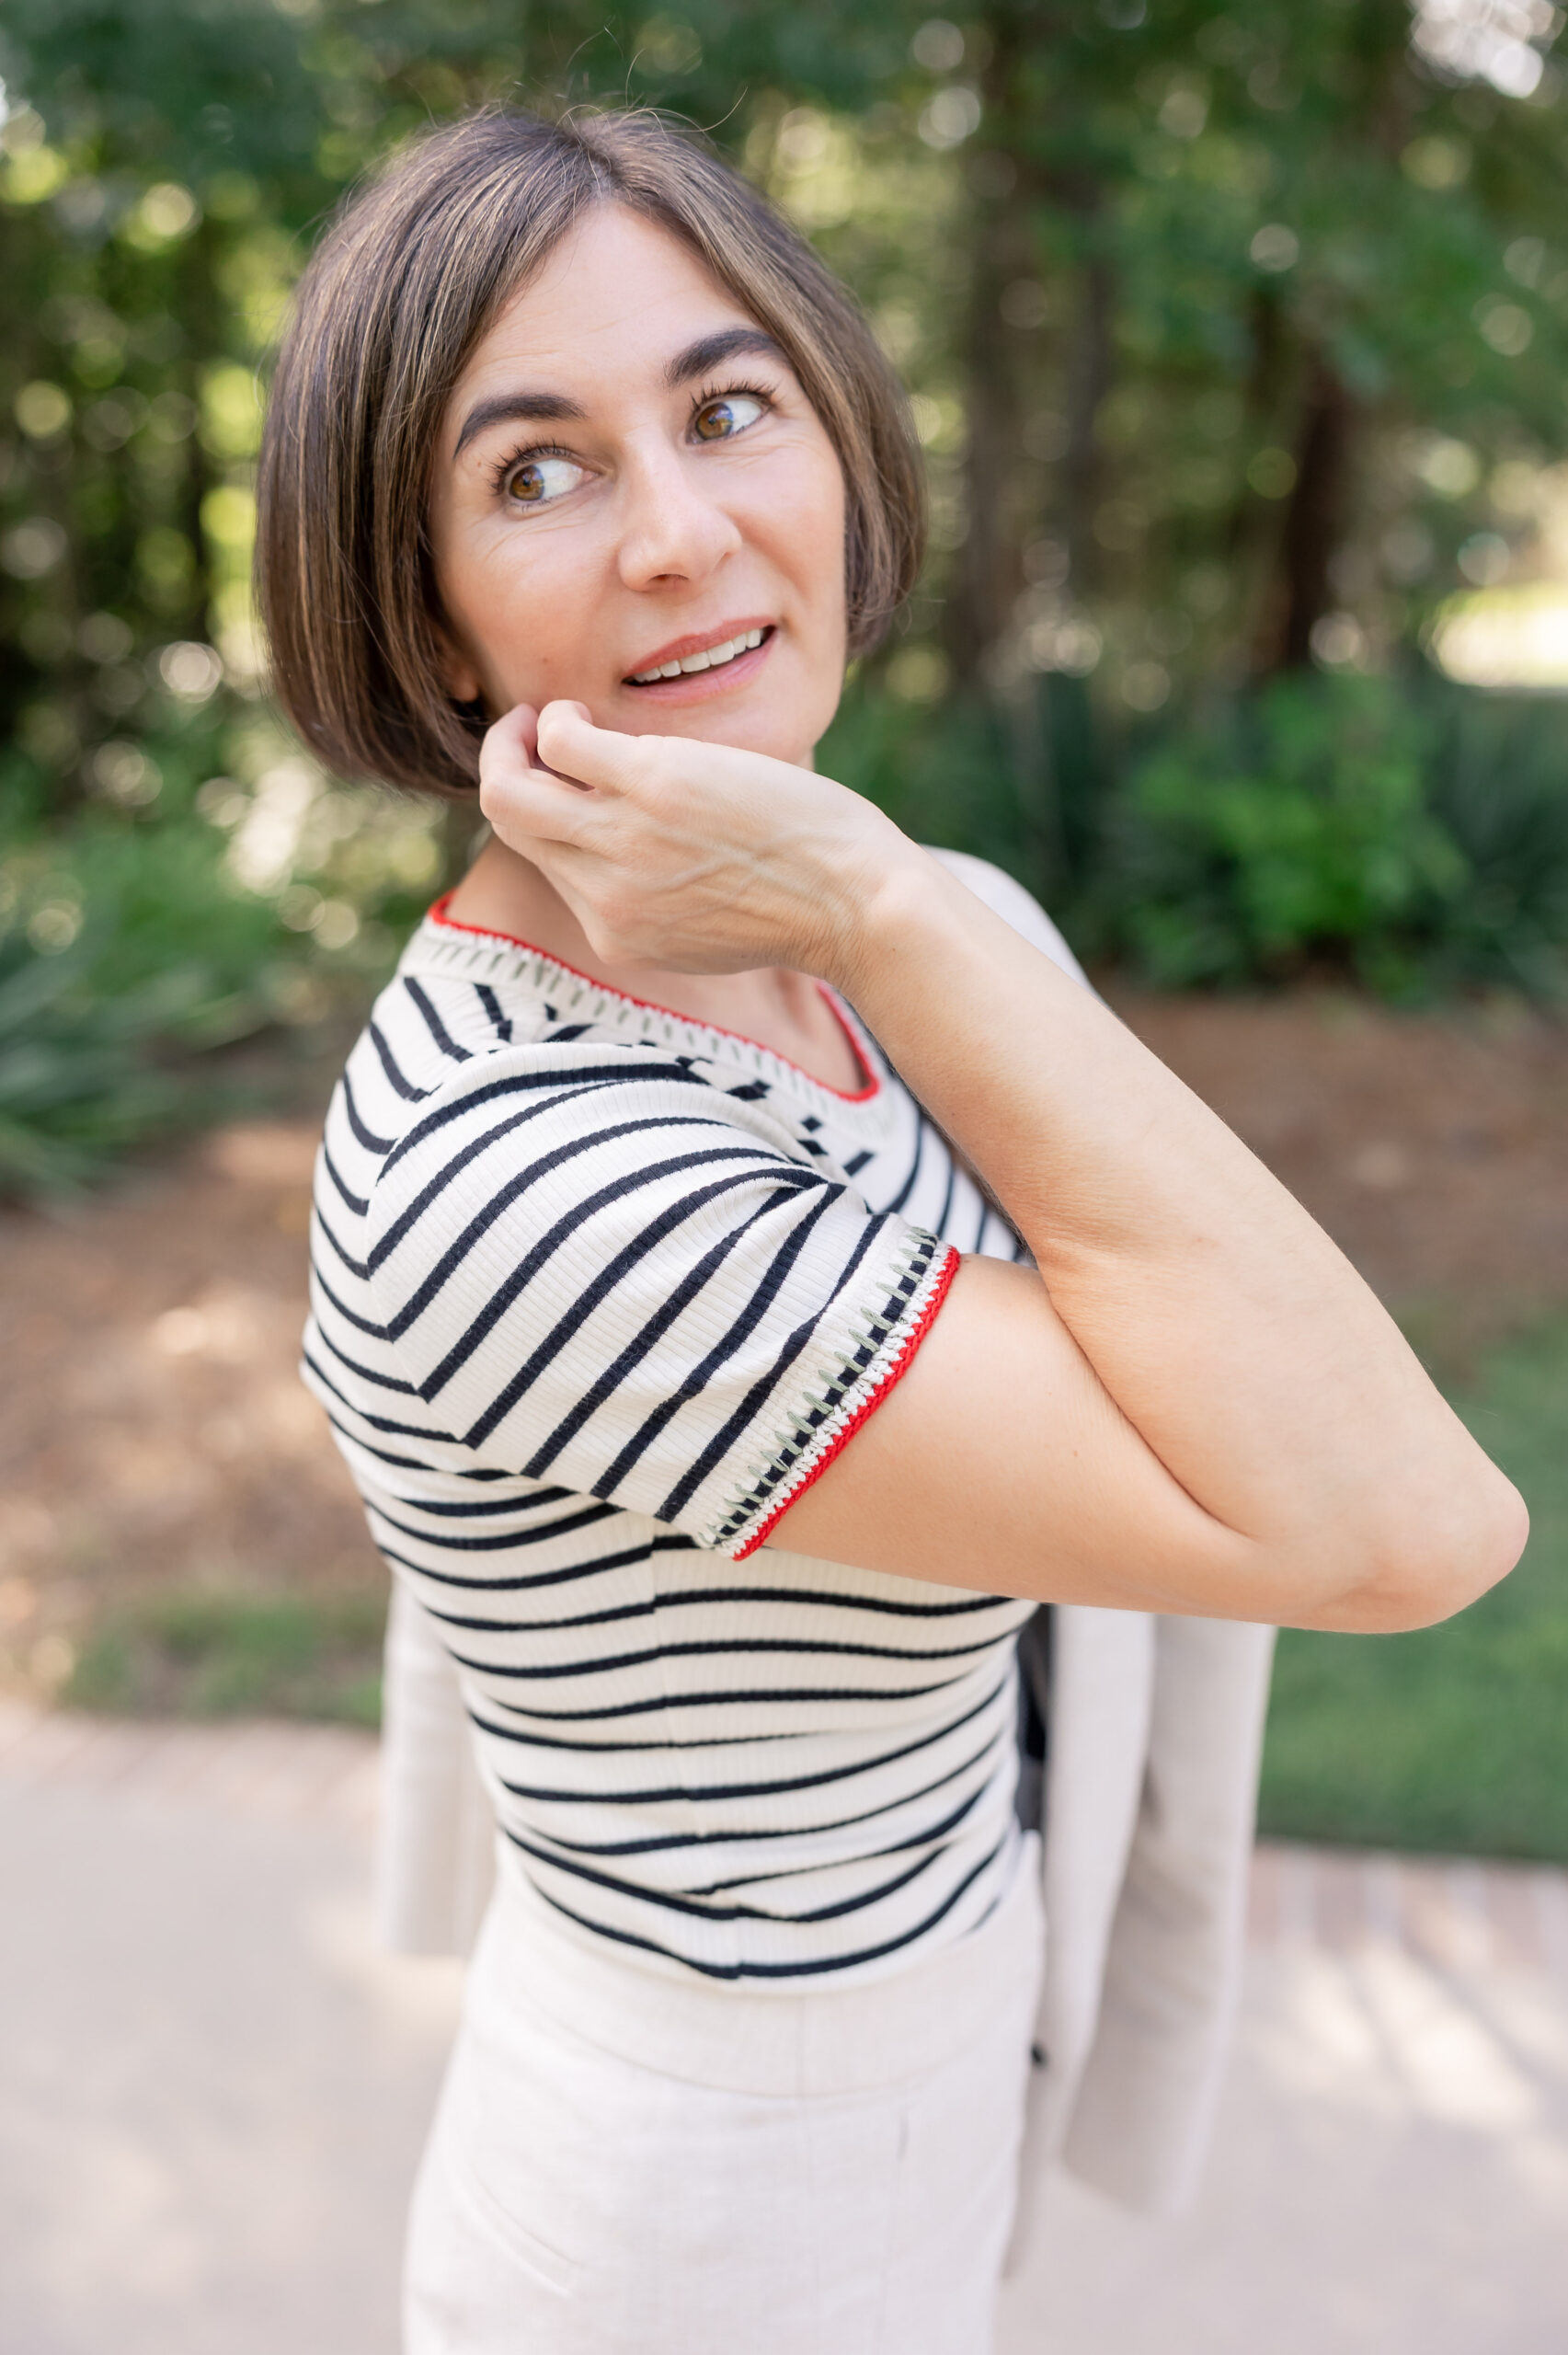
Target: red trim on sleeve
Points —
{"points": [[868, 1406]]}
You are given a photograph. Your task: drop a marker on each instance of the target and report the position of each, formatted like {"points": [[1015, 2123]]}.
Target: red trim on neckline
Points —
{"points": [[438, 915], [900, 1367]]}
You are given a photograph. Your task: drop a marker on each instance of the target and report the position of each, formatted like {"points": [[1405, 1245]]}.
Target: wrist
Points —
{"points": [[898, 902]]}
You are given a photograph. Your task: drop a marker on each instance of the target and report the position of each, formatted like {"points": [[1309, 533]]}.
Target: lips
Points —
{"points": [[700, 652]]}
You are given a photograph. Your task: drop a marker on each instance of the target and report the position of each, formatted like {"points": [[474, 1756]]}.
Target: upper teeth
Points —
{"points": [[709, 659]]}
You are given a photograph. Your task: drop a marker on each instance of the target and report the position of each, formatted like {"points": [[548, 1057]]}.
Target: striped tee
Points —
{"points": [[595, 1291]]}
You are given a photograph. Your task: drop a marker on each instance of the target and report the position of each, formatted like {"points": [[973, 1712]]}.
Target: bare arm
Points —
{"points": [[1196, 1405], [1238, 1427]]}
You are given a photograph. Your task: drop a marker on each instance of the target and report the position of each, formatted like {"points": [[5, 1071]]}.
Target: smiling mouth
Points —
{"points": [[707, 657]]}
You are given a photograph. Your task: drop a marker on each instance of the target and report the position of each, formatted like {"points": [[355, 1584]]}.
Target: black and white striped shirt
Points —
{"points": [[596, 1291]]}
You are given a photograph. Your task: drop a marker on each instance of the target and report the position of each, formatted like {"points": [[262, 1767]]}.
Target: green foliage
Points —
{"points": [[1297, 825], [1455, 1737], [132, 948], [1498, 785], [1408, 832], [944, 775], [124, 950], [1214, 319], [1195, 301], [1405, 832], [208, 1655]]}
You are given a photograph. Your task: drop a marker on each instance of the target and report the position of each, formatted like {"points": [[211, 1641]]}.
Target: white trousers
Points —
{"points": [[624, 2163]]}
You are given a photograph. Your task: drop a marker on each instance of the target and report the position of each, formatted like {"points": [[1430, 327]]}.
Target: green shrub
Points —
{"points": [[943, 775], [129, 949], [1296, 826], [124, 951], [1497, 780], [1404, 832]]}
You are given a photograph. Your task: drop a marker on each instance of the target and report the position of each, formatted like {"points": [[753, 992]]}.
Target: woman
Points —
{"points": [[724, 1182]]}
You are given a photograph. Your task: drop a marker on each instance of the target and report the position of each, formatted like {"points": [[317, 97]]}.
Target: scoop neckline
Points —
{"points": [[436, 916]]}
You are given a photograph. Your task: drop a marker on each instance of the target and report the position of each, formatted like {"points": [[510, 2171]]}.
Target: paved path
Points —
{"points": [[213, 2087]]}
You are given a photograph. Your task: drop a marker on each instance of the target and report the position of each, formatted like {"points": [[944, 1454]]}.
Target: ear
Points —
{"points": [[459, 676]]}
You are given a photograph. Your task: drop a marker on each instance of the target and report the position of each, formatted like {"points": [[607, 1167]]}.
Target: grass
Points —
{"points": [[1455, 1739], [185, 1655]]}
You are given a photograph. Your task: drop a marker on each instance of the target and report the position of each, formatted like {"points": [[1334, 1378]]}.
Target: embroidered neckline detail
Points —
{"points": [[454, 944]]}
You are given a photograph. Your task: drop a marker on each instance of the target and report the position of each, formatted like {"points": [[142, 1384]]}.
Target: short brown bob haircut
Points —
{"points": [[389, 310]]}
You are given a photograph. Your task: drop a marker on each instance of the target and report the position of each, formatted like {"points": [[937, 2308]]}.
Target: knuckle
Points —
{"points": [[495, 798]]}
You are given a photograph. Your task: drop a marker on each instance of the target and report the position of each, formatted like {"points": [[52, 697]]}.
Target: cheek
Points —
{"points": [[833, 513], [807, 524], [520, 615], [829, 504]]}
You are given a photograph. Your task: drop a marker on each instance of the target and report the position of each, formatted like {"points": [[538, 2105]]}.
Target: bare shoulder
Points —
{"points": [[1010, 900]]}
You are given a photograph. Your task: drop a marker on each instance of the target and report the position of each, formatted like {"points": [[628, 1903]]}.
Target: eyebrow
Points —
{"points": [[698, 359], [711, 352]]}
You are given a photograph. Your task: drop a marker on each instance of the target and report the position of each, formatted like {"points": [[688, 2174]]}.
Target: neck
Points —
{"points": [[786, 1011], [505, 892], [502, 892]]}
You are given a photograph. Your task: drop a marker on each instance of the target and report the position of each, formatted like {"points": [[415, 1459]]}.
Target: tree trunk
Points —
{"points": [[1084, 465], [1314, 520], [1010, 185], [198, 304], [987, 574], [1250, 548]]}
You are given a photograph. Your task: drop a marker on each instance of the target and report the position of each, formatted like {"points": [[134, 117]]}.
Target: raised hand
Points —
{"points": [[689, 855]]}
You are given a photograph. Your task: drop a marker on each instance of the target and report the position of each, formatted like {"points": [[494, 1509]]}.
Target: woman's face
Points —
{"points": [[629, 478]]}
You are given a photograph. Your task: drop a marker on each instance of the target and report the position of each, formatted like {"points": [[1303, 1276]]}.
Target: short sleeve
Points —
{"points": [[602, 1273]]}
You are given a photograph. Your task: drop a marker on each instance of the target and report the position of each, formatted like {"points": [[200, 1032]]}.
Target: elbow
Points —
{"points": [[1437, 1563]]}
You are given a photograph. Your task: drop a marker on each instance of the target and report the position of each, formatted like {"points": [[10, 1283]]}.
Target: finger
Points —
{"points": [[526, 803], [572, 709], [570, 743], [506, 749], [514, 736]]}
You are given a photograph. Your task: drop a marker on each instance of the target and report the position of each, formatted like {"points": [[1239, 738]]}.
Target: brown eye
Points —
{"points": [[539, 482], [721, 421]]}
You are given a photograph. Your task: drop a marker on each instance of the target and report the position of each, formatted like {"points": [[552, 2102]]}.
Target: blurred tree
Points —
{"points": [[1229, 329], [1236, 340], [1250, 287], [143, 251]]}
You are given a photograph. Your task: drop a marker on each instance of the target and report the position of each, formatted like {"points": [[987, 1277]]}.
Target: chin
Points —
{"points": [[759, 732], [762, 727]]}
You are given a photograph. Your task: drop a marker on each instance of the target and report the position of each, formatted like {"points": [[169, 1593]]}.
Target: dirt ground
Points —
{"points": [[152, 1433]]}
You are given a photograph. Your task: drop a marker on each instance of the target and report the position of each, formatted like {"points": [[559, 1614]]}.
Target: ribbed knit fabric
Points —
{"points": [[596, 1291]]}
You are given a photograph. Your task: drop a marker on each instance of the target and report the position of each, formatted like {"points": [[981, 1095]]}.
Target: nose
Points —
{"points": [[675, 526]]}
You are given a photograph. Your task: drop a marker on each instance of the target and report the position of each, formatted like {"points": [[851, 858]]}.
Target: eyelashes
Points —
{"points": [[533, 453], [528, 454], [732, 392]]}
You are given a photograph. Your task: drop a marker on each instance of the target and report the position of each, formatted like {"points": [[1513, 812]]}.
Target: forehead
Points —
{"points": [[618, 295]]}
